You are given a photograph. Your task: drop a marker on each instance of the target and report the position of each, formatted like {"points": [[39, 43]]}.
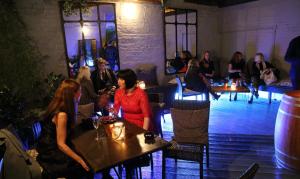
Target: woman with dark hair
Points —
{"points": [[133, 100], [236, 68], [56, 155], [196, 81], [207, 66]]}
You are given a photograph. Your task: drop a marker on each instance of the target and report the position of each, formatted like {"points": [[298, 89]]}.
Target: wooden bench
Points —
{"points": [[280, 87]]}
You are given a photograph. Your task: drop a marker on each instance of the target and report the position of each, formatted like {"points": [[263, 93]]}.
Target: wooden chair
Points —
{"points": [[190, 125], [184, 92]]}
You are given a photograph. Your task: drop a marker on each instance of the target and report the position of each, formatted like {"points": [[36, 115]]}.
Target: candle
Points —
{"points": [[118, 131], [142, 85], [233, 86]]}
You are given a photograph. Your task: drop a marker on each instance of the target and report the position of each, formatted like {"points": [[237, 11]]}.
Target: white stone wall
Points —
{"points": [[43, 22], [265, 26], [140, 35]]}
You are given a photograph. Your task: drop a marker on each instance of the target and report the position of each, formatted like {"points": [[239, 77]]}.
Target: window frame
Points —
{"points": [[176, 23], [81, 21]]}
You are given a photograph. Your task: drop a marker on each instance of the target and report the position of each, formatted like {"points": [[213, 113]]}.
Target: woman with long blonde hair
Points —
{"points": [[88, 94]]}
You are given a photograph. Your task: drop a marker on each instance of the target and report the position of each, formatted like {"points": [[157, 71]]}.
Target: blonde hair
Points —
{"points": [[84, 73]]}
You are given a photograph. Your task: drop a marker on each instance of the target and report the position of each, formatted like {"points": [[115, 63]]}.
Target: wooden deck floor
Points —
{"points": [[240, 134]]}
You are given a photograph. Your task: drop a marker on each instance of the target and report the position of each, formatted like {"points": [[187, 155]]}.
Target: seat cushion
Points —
{"points": [[190, 126]]}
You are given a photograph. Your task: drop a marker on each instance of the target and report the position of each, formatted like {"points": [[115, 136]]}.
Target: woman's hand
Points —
{"points": [[84, 165]]}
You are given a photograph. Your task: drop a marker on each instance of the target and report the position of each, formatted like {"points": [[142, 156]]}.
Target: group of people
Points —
{"points": [[56, 153], [200, 73]]}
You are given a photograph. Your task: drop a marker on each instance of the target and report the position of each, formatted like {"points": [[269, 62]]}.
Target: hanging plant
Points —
{"points": [[70, 7]]}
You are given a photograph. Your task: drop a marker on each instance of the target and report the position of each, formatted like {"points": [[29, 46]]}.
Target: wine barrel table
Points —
{"points": [[287, 131]]}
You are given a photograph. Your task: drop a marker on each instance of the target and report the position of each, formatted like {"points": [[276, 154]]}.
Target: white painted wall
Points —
{"points": [[264, 26], [140, 34]]}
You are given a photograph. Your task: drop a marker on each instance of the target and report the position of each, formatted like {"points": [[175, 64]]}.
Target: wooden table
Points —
{"points": [[239, 89], [107, 153]]}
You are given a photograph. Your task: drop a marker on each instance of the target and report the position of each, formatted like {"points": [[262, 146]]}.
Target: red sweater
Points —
{"points": [[135, 106]]}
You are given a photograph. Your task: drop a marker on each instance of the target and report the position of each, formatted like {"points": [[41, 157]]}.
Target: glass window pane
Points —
{"points": [[192, 17], [181, 38], [192, 37], [170, 15], [107, 12], [170, 41], [181, 16], [109, 50], [73, 34], [91, 31], [73, 17], [91, 14]]}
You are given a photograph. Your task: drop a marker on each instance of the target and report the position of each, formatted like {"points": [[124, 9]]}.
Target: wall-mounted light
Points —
{"points": [[129, 10], [84, 30]]}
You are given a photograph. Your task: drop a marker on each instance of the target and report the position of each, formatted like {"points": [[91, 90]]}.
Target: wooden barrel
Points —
{"points": [[287, 131]]}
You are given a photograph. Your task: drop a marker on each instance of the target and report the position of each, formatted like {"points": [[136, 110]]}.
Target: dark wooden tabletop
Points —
{"points": [[107, 153], [239, 89]]}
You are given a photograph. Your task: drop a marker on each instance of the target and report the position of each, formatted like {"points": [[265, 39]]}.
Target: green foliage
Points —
{"points": [[52, 82], [70, 6]]}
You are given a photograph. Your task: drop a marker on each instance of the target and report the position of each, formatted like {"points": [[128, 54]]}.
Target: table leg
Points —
{"points": [[163, 165], [229, 96]]}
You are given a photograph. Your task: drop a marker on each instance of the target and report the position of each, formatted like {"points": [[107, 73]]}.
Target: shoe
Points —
{"points": [[216, 96], [256, 94]]}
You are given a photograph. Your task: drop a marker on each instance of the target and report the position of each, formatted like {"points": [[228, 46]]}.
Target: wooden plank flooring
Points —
{"points": [[240, 134], [230, 155]]}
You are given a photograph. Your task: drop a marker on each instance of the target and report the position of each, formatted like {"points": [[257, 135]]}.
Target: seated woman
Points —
{"points": [[259, 65], [185, 57], [88, 94], [135, 107], [207, 66], [196, 81], [56, 154], [103, 78], [236, 68], [133, 100]]}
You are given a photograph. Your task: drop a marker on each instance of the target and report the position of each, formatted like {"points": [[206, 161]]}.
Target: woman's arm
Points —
{"points": [[117, 101], [146, 110], [230, 70], [61, 135]]}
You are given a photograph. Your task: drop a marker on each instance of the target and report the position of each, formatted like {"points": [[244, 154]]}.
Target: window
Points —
{"points": [[92, 34], [180, 38]]}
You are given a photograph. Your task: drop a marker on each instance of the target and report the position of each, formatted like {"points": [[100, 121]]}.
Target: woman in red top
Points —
{"points": [[133, 100]]}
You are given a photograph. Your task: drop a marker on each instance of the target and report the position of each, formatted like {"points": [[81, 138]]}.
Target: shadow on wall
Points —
{"points": [[279, 62]]}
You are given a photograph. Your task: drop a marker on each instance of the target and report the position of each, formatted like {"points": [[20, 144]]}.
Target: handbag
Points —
{"points": [[268, 76], [16, 162]]}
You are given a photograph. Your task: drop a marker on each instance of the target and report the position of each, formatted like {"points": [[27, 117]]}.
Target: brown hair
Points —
{"points": [[261, 55], [203, 54], [235, 56], [63, 100]]}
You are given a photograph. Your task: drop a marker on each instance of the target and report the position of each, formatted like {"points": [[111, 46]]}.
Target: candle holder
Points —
{"points": [[118, 131], [142, 85], [233, 86]]}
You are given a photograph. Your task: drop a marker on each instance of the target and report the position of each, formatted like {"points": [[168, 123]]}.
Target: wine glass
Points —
{"points": [[111, 111], [96, 126]]}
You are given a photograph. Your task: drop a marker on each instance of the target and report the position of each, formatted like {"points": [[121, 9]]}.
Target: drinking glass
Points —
{"points": [[96, 123]]}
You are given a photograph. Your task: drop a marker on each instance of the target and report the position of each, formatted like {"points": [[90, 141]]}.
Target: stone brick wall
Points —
{"points": [[140, 35], [265, 26], [43, 22]]}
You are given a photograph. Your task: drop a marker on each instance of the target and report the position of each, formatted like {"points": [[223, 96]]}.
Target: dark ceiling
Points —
{"points": [[219, 3]]}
